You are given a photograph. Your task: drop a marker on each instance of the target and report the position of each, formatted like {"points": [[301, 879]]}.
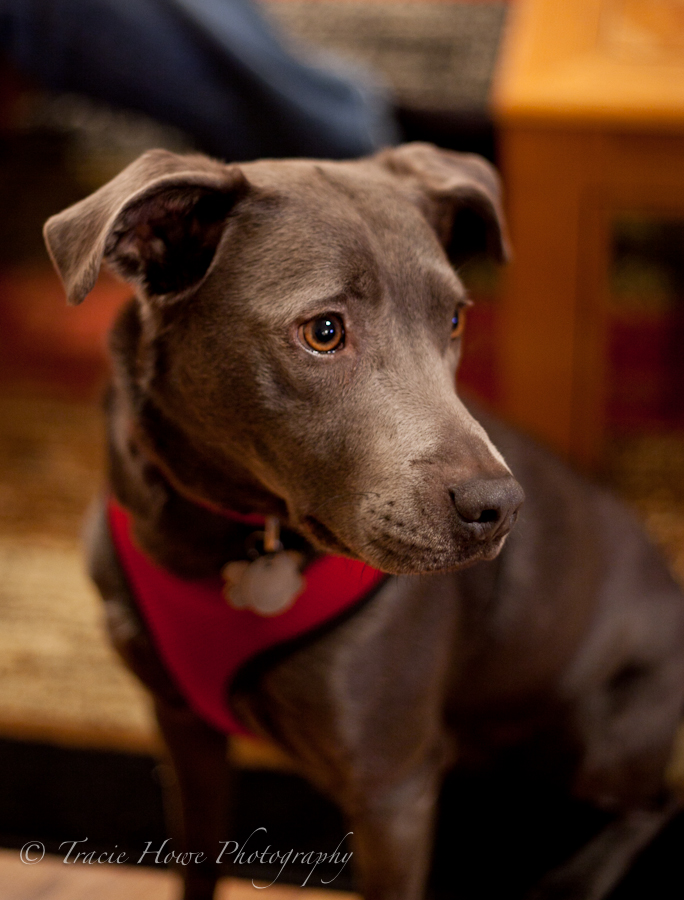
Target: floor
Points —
{"points": [[51, 879]]}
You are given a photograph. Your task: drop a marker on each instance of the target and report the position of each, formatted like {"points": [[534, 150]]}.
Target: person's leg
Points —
{"points": [[211, 67]]}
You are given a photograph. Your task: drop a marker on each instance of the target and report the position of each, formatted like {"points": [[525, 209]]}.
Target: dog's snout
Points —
{"points": [[487, 507]]}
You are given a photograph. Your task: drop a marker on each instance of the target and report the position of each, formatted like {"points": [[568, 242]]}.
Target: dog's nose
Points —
{"points": [[487, 508]]}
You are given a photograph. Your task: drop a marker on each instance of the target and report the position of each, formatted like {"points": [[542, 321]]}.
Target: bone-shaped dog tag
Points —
{"points": [[269, 585]]}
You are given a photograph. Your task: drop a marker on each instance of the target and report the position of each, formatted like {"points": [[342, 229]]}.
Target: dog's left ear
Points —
{"points": [[460, 195], [157, 224]]}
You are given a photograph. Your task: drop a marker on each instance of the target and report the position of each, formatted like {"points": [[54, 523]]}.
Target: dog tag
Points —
{"points": [[269, 585]]}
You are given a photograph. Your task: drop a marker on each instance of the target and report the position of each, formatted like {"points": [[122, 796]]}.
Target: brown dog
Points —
{"points": [[292, 352]]}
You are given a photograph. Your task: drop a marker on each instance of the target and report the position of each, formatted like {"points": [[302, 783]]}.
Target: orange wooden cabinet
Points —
{"points": [[589, 100]]}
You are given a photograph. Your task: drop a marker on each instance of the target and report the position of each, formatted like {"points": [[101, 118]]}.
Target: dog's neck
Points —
{"points": [[181, 532], [188, 514], [226, 490]]}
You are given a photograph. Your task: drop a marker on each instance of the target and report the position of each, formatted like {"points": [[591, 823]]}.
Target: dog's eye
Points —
{"points": [[324, 333], [458, 322]]}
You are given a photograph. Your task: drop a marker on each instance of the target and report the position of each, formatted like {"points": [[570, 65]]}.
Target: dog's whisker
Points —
{"points": [[346, 496]]}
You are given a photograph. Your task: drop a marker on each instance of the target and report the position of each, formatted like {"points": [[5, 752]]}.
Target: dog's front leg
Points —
{"points": [[393, 829], [360, 709], [196, 797]]}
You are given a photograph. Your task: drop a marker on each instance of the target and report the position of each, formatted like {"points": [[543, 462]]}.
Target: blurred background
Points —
{"points": [[580, 341]]}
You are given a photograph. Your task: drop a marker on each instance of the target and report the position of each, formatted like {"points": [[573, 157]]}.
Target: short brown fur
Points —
{"points": [[569, 626]]}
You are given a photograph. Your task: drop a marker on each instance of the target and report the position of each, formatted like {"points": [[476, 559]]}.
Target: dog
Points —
{"points": [[288, 365]]}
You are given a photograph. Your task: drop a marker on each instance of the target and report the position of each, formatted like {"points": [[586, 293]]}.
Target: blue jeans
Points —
{"points": [[213, 68]]}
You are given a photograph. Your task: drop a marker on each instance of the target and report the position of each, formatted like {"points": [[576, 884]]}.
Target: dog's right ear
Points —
{"points": [[459, 194], [158, 224]]}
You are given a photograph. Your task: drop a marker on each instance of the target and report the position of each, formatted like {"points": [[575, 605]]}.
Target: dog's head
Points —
{"points": [[301, 322]]}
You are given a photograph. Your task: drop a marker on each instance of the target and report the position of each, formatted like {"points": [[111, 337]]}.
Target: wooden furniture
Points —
{"points": [[589, 100]]}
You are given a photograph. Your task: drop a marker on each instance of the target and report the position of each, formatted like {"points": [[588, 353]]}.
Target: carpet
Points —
{"points": [[435, 56], [59, 679]]}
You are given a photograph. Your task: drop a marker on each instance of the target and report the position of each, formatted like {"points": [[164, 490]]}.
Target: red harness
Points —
{"points": [[204, 641]]}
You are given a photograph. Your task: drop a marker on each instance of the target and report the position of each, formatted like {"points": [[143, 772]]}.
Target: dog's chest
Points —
{"points": [[204, 641]]}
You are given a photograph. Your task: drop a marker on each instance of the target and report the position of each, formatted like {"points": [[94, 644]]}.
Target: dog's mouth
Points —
{"points": [[484, 553], [406, 557], [431, 558], [324, 537]]}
